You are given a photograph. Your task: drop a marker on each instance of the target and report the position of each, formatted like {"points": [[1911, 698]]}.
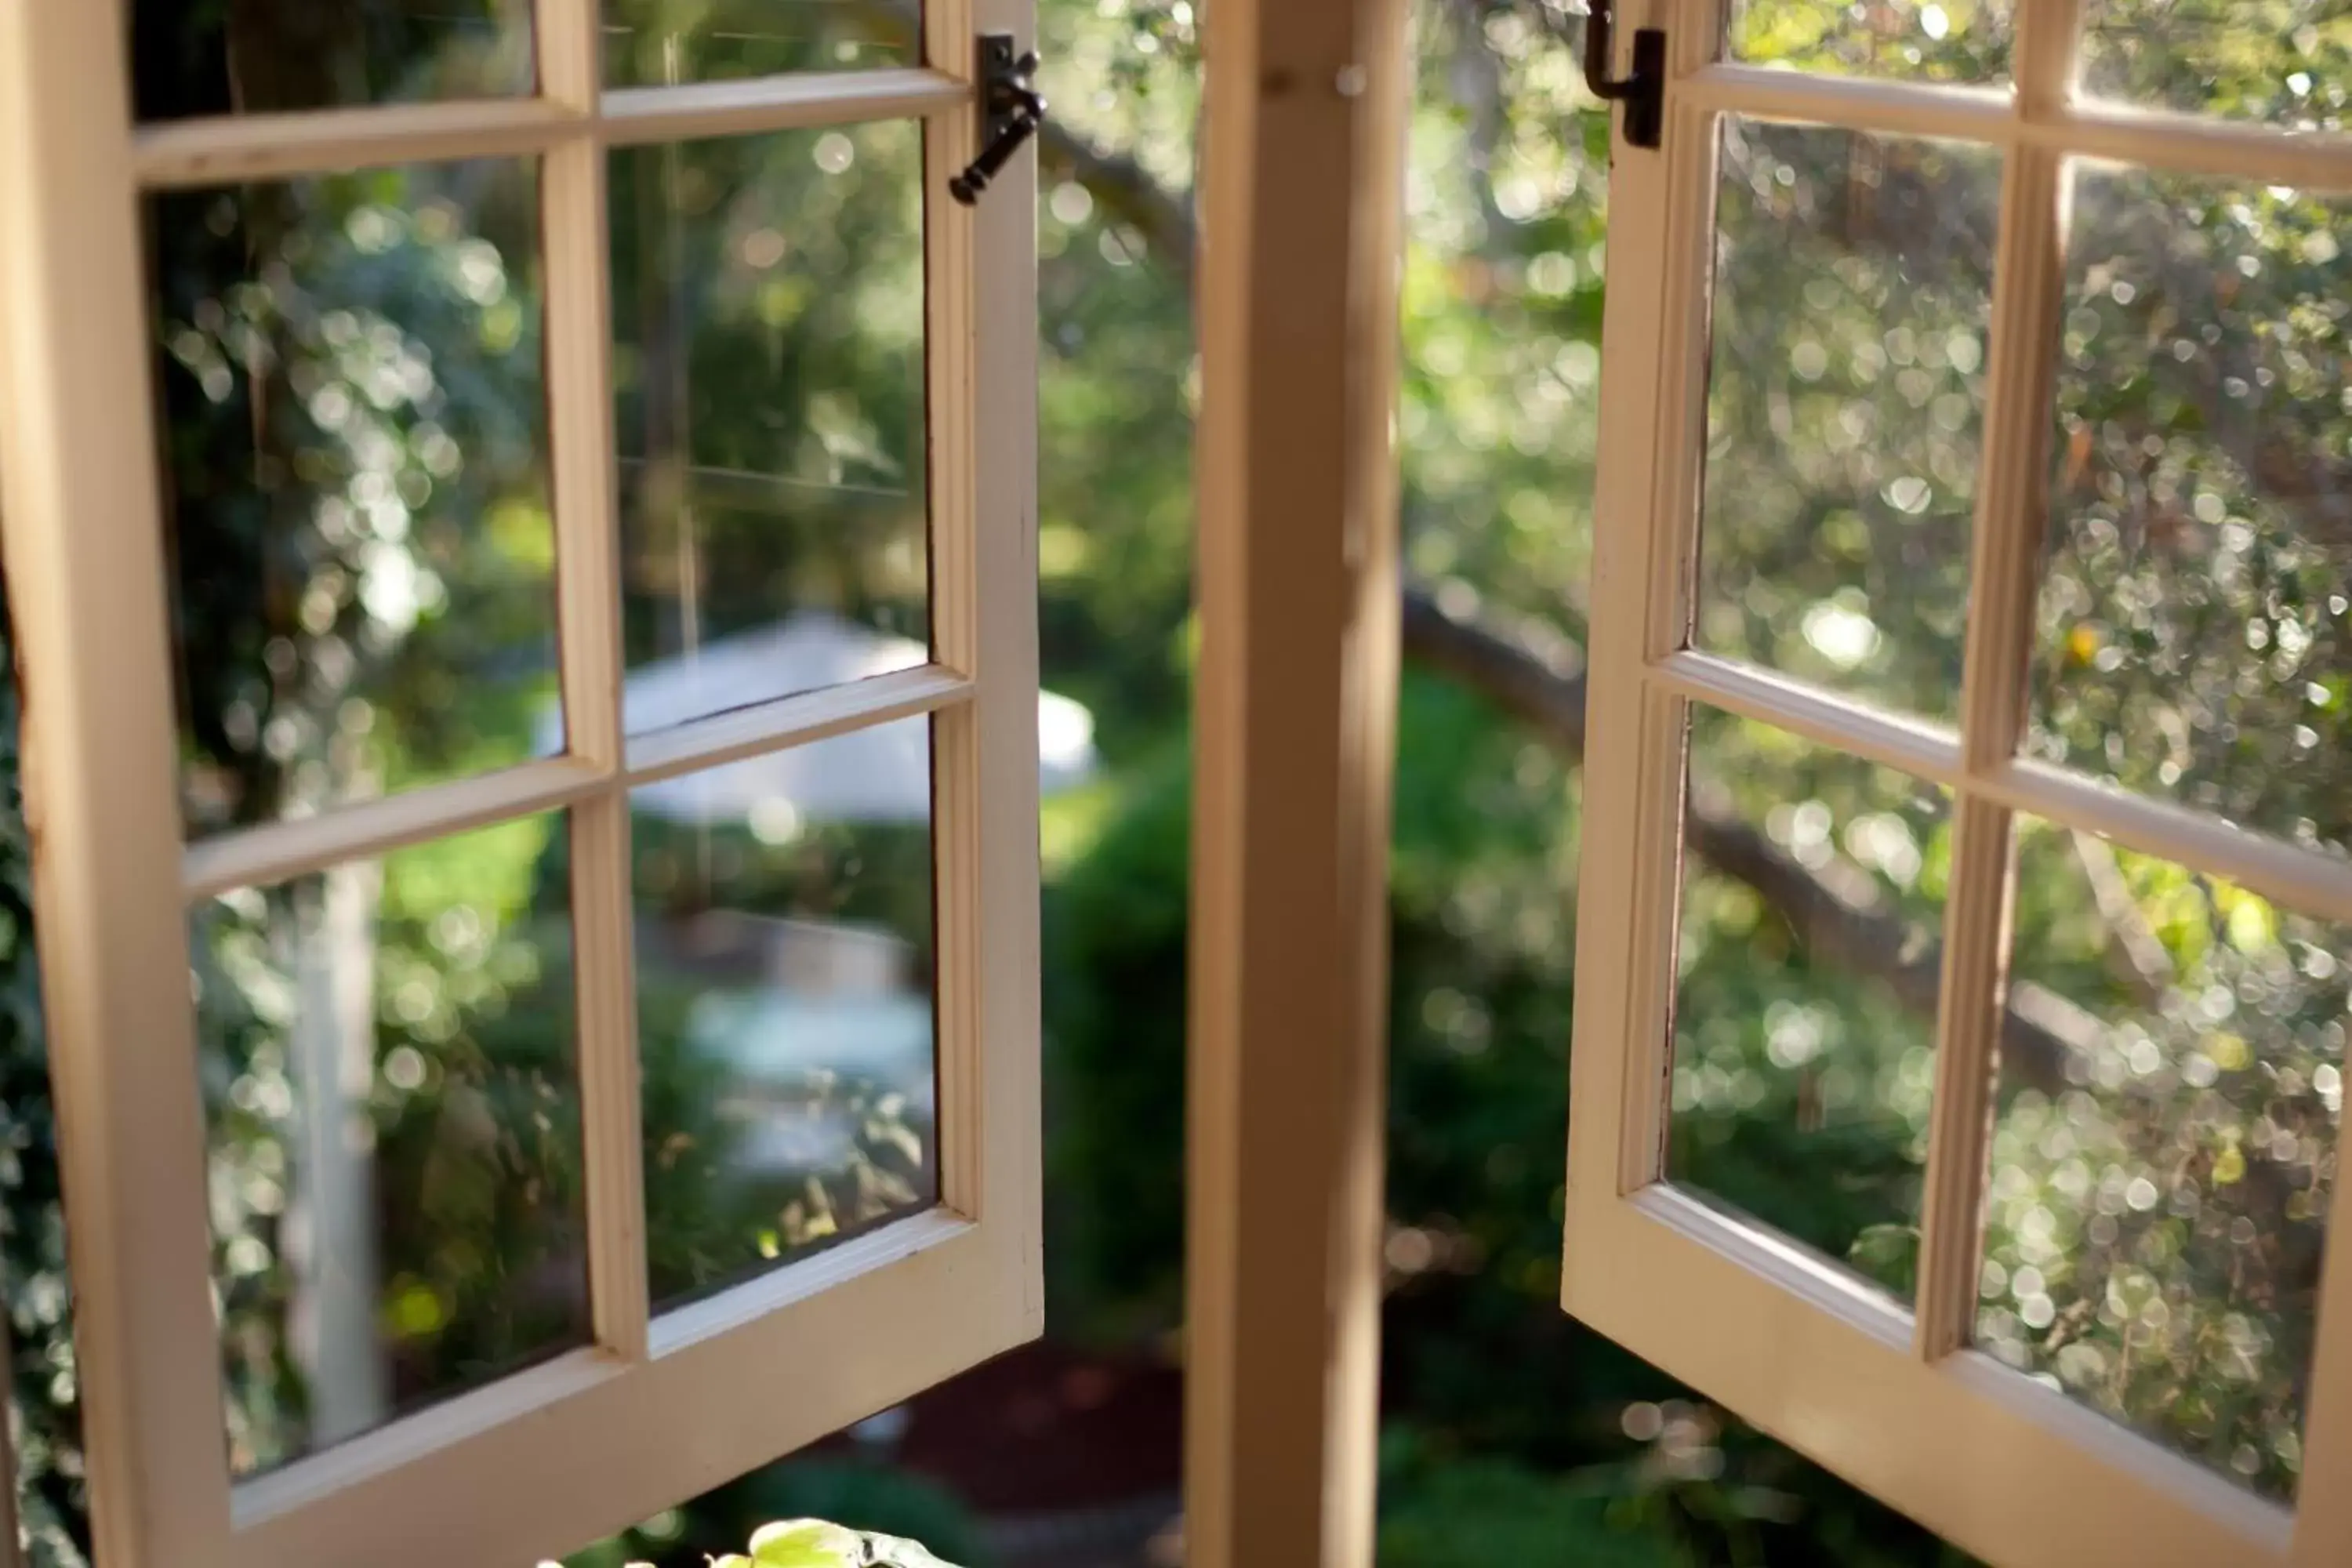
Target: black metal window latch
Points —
{"points": [[1009, 112], [1645, 92]]}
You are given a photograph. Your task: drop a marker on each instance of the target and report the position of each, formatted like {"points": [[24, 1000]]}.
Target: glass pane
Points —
{"points": [[655, 43], [768, 301], [392, 1122], [2161, 1168], [2193, 639], [2285, 62], [210, 56], [1805, 1004], [1941, 40], [363, 564], [1853, 277], [784, 1002]]}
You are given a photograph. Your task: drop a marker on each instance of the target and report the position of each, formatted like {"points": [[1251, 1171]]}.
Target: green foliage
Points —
{"points": [[46, 1418], [1945, 41], [2283, 61], [355, 455], [1802, 1092], [1443, 1514], [886, 1509], [814, 1543], [2193, 637], [1840, 469], [1114, 1009], [768, 363], [887, 1502]]}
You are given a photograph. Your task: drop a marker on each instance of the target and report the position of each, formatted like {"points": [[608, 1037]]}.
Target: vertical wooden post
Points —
{"points": [[1301, 193]]}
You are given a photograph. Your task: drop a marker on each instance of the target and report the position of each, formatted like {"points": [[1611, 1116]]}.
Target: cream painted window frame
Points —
{"points": [[1894, 1400], [659, 1407]]}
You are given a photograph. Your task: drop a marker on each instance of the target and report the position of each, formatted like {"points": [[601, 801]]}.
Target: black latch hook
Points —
{"points": [[1645, 92], [1009, 112]]}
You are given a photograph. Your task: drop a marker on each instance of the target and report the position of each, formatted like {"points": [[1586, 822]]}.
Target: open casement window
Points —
{"points": [[519, 521], [1964, 776]]}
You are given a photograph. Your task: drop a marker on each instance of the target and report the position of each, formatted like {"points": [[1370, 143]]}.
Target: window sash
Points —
{"points": [[1893, 1399], [656, 1408]]}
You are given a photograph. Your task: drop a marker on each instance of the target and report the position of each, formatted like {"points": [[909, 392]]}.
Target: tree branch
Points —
{"points": [[2135, 956], [1123, 190]]}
